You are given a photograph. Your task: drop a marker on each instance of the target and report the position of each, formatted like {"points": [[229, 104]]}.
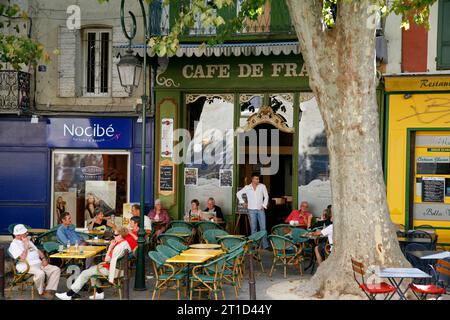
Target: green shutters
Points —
{"points": [[443, 45], [280, 20], [227, 13], [174, 12]]}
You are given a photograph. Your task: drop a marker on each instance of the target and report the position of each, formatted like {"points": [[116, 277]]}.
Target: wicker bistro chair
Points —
{"points": [[231, 242], [182, 230], [210, 236], [371, 290], [164, 237], [180, 223], [176, 245], [165, 274], [21, 279], [102, 279], [166, 251], [255, 246], [281, 229], [208, 277], [202, 226], [285, 251], [232, 271]]}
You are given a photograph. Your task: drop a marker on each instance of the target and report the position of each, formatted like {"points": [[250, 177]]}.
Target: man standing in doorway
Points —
{"points": [[257, 199]]}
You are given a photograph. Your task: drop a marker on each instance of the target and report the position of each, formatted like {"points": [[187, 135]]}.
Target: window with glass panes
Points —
{"points": [[97, 62]]}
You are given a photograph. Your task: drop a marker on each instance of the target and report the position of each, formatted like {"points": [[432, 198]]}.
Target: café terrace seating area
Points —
{"points": [[201, 260]]}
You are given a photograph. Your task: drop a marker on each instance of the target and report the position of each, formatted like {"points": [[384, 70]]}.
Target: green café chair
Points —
{"points": [[202, 226], [281, 229], [255, 246], [210, 236], [165, 274], [167, 251], [180, 223], [232, 272], [231, 242], [209, 278], [164, 237], [177, 245], [286, 251]]}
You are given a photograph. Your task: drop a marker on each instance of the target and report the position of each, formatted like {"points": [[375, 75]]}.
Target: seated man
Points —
{"points": [[66, 231], [23, 249], [136, 212], [303, 216], [320, 249], [99, 221], [107, 268], [212, 208]]}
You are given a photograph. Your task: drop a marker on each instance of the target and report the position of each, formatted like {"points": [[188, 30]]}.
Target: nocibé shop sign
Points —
{"points": [[96, 133], [234, 72]]}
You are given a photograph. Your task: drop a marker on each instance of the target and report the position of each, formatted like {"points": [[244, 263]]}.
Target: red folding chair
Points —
{"points": [[422, 291], [371, 289]]}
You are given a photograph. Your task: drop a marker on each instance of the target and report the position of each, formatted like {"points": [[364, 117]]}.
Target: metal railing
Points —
{"points": [[14, 91]]}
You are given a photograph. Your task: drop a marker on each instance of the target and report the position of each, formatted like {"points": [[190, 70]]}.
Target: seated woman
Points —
{"points": [[106, 268], [160, 216], [320, 249], [303, 216], [194, 213], [99, 222]]}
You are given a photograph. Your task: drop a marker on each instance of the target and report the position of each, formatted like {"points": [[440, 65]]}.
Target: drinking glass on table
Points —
{"points": [[60, 249]]}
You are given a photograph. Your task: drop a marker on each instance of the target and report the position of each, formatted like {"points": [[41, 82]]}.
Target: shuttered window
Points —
{"points": [[443, 45]]}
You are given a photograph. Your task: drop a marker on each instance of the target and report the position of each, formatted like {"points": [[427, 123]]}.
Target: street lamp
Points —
{"points": [[130, 68]]}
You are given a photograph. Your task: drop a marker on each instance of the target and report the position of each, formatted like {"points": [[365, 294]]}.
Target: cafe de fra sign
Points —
{"points": [[244, 70]]}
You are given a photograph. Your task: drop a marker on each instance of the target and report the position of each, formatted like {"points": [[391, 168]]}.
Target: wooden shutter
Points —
{"points": [[280, 20], [69, 45], [443, 52], [118, 38]]}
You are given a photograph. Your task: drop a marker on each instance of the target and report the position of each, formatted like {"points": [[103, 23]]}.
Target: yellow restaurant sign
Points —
{"points": [[417, 83]]}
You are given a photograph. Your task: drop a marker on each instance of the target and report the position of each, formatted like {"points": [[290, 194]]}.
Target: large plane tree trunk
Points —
{"points": [[342, 75]]}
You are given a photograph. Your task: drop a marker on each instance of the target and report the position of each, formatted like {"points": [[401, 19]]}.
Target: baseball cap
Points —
{"points": [[19, 229]]}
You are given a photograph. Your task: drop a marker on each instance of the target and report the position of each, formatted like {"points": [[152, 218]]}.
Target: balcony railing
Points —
{"points": [[14, 91]]}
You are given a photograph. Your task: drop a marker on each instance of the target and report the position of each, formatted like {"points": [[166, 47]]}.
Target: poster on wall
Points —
{"points": [[226, 178], [100, 194], [64, 202], [166, 138], [125, 220], [190, 177]]}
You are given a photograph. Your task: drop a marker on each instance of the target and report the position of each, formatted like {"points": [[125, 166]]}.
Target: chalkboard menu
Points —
{"points": [[433, 189], [166, 178]]}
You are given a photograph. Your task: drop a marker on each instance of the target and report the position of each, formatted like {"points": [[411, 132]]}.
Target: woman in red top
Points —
{"points": [[303, 216]]}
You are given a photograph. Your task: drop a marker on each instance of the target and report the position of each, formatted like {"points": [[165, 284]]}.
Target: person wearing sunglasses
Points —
{"points": [[107, 268]]}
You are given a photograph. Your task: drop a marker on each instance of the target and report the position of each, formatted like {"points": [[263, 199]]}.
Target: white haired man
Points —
{"points": [[22, 249]]}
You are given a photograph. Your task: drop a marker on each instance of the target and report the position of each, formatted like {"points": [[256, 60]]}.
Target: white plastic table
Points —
{"points": [[392, 274]]}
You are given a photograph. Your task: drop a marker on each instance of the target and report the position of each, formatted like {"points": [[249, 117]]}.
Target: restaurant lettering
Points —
{"points": [[425, 83], [253, 70]]}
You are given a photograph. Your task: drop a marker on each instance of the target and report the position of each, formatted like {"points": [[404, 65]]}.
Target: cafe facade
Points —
{"points": [[417, 150], [227, 111]]}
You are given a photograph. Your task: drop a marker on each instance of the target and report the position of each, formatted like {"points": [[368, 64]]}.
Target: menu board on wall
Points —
{"points": [[433, 189], [166, 178]]}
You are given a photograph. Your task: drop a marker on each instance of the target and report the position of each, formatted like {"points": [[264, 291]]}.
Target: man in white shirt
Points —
{"points": [[136, 212], [320, 249], [23, 249], [257, 200]]}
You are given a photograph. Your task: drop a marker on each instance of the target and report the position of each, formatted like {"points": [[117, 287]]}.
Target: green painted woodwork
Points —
{"points": [[443, 37], [280, 19]]}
